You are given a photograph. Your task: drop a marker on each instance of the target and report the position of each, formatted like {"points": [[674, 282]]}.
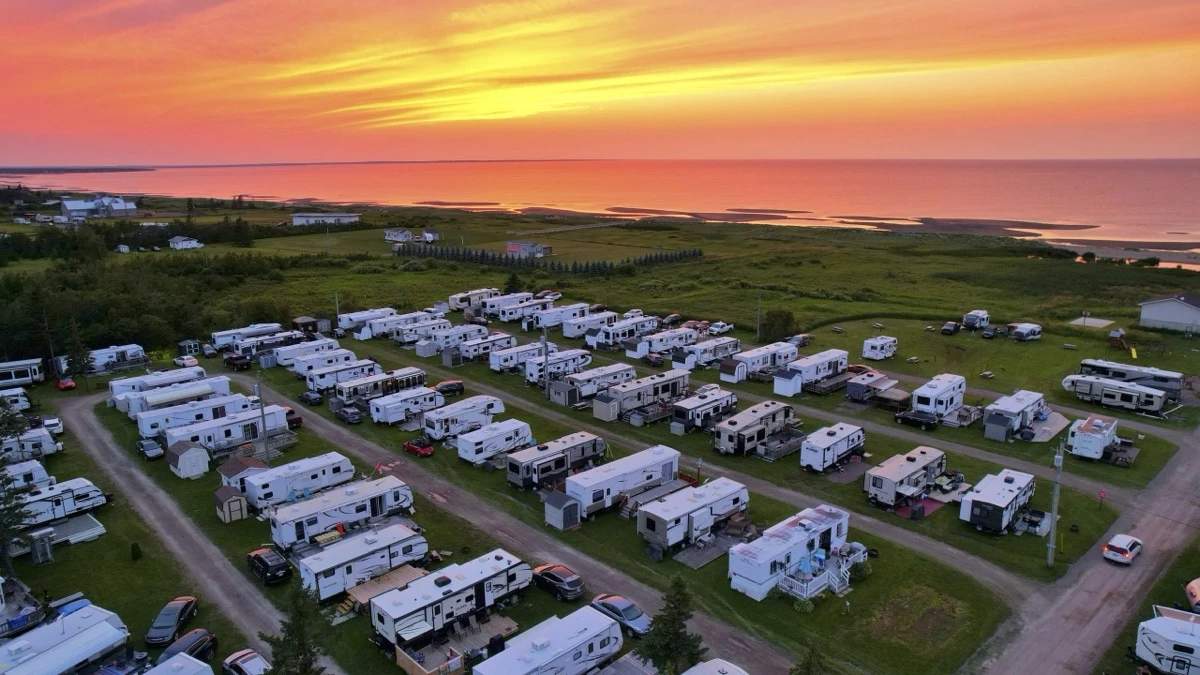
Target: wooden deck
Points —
{"points": [[457, 650], [397, 578]]}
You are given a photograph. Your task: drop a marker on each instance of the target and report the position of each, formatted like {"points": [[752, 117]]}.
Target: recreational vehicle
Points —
{"points": [[524, 310], [1167, 381], [32, 444], [577, 328], [715, 667], [61, 500], [827, 447], [1025, 332], [801, 555], [125, 385], [27, 371], [409, 617], [703, 354], [702, 410], [261, 343], [753, 430], [606, 485], [78, 640], [739, 367], [297, 480], [303, 365], [579, 387], [350, 506], [497, 438], [362, 389], [689, 515], [899, 479], [879, 347], [552, 317], [456, 335], [352, 320], [566, 362], [611, 335], [865, 387], [1093, 437], [224, 338], [941, 395], [515, 357], [415, 332], [15, 399], [1170, 642], [810, 370], [231, 430], [552, 461], [1115, 394], [136, 402], [461, 416], [323, 379], [1007, 415], [397, 408], [389, 325], [976, 319], [153, 422], [661, 342], [580, 643], [471, 299], [665, 387], [286, 356], [493, 305], [483, 347], [351, 561], [993, 504], [28, 473]]}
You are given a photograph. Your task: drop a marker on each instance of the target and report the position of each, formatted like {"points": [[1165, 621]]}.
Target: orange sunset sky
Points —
{"points": [[213, 81]]}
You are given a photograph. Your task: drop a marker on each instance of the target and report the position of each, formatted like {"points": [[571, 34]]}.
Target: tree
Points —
{"points": [[668, 644], [293, 651], [79, 357], [778, 324], [12, 503], [191, 206], [813, 664], [243, 236], [513, 284]]}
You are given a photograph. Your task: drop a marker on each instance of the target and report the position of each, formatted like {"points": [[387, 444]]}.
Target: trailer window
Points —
{"points": [[360, 508], [1183, 649], [336, 469], [603, 642], [407, 549], [268, 495], [598, 495], [591, 647], [512, 576], [379, 619], [578, 655], [311, 521], [560, 463], [651, 525], [876, 482], [327, 573]]}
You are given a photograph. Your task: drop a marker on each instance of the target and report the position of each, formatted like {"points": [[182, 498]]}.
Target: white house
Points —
{"points": [[323, 218], [184, 243], [397, 235], [1175, 311], [100, 206]]}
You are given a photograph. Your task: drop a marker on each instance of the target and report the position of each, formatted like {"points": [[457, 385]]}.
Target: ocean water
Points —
{"points": [[1144, 200]]}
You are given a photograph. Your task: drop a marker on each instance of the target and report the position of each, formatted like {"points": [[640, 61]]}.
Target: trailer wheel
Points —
{"points": [[899, 421]]}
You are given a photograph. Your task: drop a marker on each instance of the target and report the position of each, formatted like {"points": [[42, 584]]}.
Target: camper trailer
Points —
{"points": [[347, 563], [577, 328], [976, 319], [363, 389], [689, 515], [471, 299], [996, 500], [411, 616], [456, 335], [303, 365], [715, 667], [1093, 437], [297, 480], [387, 326], [553, 317], [286, 356], [349, 506], [120, 386], [941, 395], [515, 357], [810, 370], [493, 305], [803, 556], [415, 332], [1007, 415], [704, 354], [1170, 642], [493, 440], [580, 643], [136, 402], [29, 473], [578, 387], [608, 337], [827, 447], [739, 367], [753, 430], [879, 347], [660, 343], [351, 320], [482, 348], [566, 362], [224, 338], [15, 399], [231, 430], [1167, 381], [78, 640], [900, 479], [261, 343], [461, 416], [702, 410], [1025, 332], [32, 444], [26, 371], [550, 462], [524, 310], [324, 379], [1115, 394], [664, 387], [397, 408], [606, 485], [61, 500], [153, 422], [865, 387]]}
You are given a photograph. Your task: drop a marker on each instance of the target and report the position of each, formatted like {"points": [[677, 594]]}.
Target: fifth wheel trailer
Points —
{"points": [[471, 299], [604, 486], [224, 338], [61, 500], [324, 379], [661, 342], [1115, 394], [492, 306], [996, 500], [1167, 381], [388, 326], [702, 410], [827, 447], [297, 480], [456, 335], [286, 356], [549, 462], [809, 370], [739, 367], [362, 389], [351, 320], [753, 430], [556, 316], [689, 515], [664, 387], [578, 387], [609, 336], [497, 438], [514, 358], [153, 422], [461, 416], [344, 564], [487, 345], [524, 310], [124, 385], [900, 479], [415, 332], [16, 373], [303, 365], [539, 368], [579, 643], [703, 354], [399, 407], [350, 506]]}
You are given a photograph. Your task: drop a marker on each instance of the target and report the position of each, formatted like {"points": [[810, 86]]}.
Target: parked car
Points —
{"points": [[671, 319], [434, 312], [800, 339], [719, 327], [185, 361], [53, 424], [633, 620], [450, 387], [654, 359], [950, 328], [693, 324], [559, 580], [309, 397], [349, 415], [705, 388], [916, 418], [208, 351], [988, 333], [238, 362], [548, 295], [1122, 549], [199, 644], [294, 420], [479, 320], [268, 565], [149, 449], [421, 446], [170, 620], [592, 309], [245, 662], [65, 384], [633, 313]]}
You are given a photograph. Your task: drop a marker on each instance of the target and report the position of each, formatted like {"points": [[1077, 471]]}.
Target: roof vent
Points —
{"points": [[441, 581], [1008, 479], [831, 432], [911, 458]]}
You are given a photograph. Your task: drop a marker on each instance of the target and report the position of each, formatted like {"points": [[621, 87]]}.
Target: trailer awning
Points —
{"points": [[413, 631], [167, 398], [909, 490]]}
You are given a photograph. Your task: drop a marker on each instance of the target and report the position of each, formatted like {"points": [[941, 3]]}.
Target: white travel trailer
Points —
{"points": [[485, 346], [461, 416], [224, 338], [33, 444], [568, 361], [386, 326], [397, 408], [606, 485], [702, 410], [231, 430], [661, 342], [26, 371], [580, 643], [153, 422], [715, 667], [941, 395], [879, 347], [456, 335], [1170, 642], [431, 604], [1025, 332], [515, 357], [297, 480], [1092, 437], [689, 515], [552, 461], [739, 367], [608, 337], [578, 387], [827, 447], [286, 356], [553, 317], [180, 664], [1007, 415], [1167, 381], [135, 402], [361, 389], [260, 343], [352, 320], [471, 299], [166, 378], [703, 354], [61, 500], [810, 370], [753, 430], [28, 474], [16, 399], [803, 556], [324, 379], [900, 479], [976, 319], [664, 387], [492, 440], [524, 310], [577, 328], [77, 640], [415, 332], [1115, 394], [996, 499], [493, 305], [350, 506], [347, 563], [303, 365]]}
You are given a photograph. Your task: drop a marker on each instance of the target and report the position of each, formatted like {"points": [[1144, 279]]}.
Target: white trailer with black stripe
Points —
{"points": [[233, 429], [568, 361], [471, 299], [493, 305], [224, 338], [689, 515], [415, 332], [32, 444], [524, 310], [483, 347], [126, 385], [498, 438], [61, 500], [29, 473], [261, 343], [515, 357], [347, 563], [997, 499], [325, 379], [351, 320], [664, 387], [612, 335], [17, 373], [1116, 394], [578, 387], [153, 422], [702, 410], [752, 430], [827, 447], [577, 328], [388, 325], [401, 406], [703, 354], [661, 343], [363, 389], [303, 365], [810, 370], [580, 643], [456, 335], [297, 480], [604, 486], [1169, 382], [552, 461], [135, 402], [461, 416], [286, 356], [552, 317], [350, 506], [739, 367]]}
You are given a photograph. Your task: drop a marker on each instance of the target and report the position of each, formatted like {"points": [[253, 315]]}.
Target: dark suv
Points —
{"points": [[199, 644], [559, 580], [268, 565], [238, 362], [950, 328], [916, 418], [450, 388]]}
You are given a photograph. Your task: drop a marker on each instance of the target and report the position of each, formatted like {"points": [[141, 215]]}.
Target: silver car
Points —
{"points": [[633, 620]]}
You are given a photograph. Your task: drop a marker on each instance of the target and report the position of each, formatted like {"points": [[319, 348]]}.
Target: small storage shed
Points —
{"points": [[188, 460], [231, 504], [235, 471], [189, 347], [305, 324], [562, 512]]}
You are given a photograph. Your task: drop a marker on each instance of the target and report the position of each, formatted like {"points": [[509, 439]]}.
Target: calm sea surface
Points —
{"points": [[1127, 200]]}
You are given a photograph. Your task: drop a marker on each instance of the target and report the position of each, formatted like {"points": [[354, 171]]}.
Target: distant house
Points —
{"points": [[527, 249], [154, 224], [122, 248], [299, 219], [1174, 311], [430, 235], [396, 234], [100, 206], [184, 243]]}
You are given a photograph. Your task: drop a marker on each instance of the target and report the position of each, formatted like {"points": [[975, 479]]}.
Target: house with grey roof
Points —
{"points": [[1173, 311]]}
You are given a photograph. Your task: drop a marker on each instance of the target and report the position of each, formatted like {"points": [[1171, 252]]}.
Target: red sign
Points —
{"points": [[1103, 494]]}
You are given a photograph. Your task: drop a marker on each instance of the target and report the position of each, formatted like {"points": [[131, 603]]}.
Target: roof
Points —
{"points": [[1095, 424], [355, 547], [772, 348], [1189, 299], [940, 383], [547, 641], [177, 450], [751, 415], [1122, 540], [178, 239], [994, 488], [715, 667], [302, 465], [717, 396], [556, 445], [794, 531], [689, 499], [898, 467], [486, 432], [420, 593], [1016, 402], [345, 494], [236, 465], [303, 319], [634, 385], [466, 405], [653, 456], [224, 494], [827, 436]]}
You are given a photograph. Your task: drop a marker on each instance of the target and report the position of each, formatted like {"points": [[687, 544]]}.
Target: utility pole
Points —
{"points": [[546, 356], [1058, 464], [758, 321], [262, 420], [336, 310]]}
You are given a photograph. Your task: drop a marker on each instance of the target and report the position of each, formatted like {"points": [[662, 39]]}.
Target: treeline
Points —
{"points": [[499, 259]]}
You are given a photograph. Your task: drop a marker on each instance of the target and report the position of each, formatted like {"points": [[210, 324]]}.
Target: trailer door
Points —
{"points": [[377, 506]]}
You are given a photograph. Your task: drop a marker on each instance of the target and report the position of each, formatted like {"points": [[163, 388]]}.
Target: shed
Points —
{"points": [[1173, 311], [231, 504], [189, 347], [997, 427], [562, 512], [235, 471], [187, 460], [430, 235], [305, 324]]}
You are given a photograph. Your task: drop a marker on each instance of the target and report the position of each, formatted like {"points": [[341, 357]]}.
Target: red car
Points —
{"points": [[420, 446], [65, 384]]}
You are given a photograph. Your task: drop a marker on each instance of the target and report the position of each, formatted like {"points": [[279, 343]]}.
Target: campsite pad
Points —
{"points": [[849, 473], [696, 558], [1048, 428], [75, 530], [947, 498], [1091, 322], [629, 665], [930, 506]]}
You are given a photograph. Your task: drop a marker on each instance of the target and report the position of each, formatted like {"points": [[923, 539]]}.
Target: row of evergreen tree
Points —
{"points": [[500, 259]]}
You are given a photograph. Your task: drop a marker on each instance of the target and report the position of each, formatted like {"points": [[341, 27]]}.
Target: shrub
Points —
{"points": [[135, 552], [804, 606], [414, 266], [861, 571], [368, 268]]}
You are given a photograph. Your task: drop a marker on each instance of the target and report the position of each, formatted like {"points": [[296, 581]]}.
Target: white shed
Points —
{"points": [[1174, 311], [188, 460]]}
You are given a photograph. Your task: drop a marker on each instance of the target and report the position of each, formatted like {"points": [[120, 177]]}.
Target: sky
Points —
{"points": [[117, 82]]}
